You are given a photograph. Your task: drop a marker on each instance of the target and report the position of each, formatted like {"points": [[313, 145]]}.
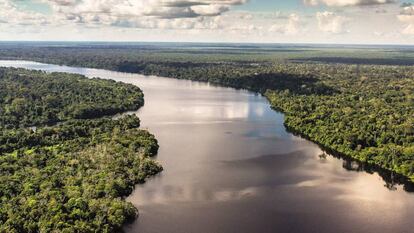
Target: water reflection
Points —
{"points": [[178, 194], [230, 166]]}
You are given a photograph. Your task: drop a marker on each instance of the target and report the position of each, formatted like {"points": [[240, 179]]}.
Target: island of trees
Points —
{"points": [[64, 166]]}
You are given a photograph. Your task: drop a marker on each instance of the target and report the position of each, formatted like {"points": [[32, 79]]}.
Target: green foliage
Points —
{"points": [[370, 118], [72, 176], [30, 98], [364, 111], [77, 184]]}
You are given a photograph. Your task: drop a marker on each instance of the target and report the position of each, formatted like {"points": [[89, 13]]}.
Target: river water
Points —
{"points": [[230, 166]]}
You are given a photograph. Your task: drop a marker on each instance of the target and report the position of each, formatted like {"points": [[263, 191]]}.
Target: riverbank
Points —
{"points": [[342, 111], [75, 175], [226, 153], [334, 105]]}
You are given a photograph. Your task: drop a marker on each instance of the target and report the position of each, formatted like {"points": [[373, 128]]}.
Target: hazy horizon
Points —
{"points": [[294, 44], [372, 22]]}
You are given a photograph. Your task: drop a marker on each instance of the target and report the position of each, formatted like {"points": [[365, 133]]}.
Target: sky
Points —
{"points": [[248, 21]]}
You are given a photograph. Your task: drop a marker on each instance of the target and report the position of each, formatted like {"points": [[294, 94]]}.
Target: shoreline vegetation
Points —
{"points": [[358, 109], [71, 176]]}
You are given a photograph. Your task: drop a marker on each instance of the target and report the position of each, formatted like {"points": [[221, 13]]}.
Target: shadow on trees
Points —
{"points": [[295, 84], [397, 61]]}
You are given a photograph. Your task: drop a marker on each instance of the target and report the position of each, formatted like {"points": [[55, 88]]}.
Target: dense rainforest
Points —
{"points": [[29, 98], [357, 102], [71, 171]]}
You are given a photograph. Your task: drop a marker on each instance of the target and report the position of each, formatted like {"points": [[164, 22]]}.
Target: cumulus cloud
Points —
{"points": [[246, 16], [330, 22], [406, 16], [11, 15], [142, 13], [292, 26], [346, 2], [157, 8], [210, 20]]}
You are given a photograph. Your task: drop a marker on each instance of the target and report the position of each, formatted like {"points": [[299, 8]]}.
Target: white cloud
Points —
{"points": [[246, 16], [11, 15], [407, 17], [210, 10], [115, 11], [143, 14], [207, 20], [330, 22], [346, 2], [292, 26]]}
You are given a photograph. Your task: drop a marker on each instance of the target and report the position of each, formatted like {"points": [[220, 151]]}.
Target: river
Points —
{"points": [[231, 166]]}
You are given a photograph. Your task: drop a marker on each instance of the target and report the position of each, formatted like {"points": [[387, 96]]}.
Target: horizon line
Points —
{"points": [[206, 42]]}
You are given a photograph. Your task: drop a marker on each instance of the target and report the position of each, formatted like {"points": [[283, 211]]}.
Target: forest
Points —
{"points": [[357, 102], [64, 166], [30, 98]]}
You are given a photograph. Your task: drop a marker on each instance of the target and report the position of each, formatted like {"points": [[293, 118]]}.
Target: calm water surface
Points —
{"points": [[230, 166]]}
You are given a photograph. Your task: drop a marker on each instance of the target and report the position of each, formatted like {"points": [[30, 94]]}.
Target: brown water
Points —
{"points": [[230, 166]]}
